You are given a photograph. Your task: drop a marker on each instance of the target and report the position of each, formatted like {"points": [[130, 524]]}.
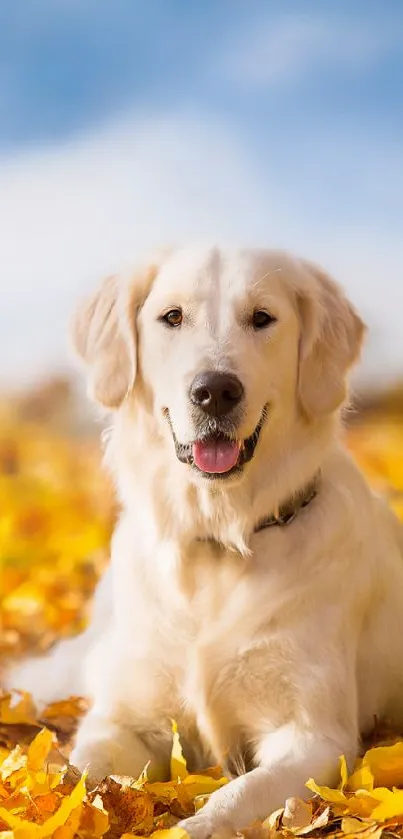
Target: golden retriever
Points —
{"points": [[254, 593]]}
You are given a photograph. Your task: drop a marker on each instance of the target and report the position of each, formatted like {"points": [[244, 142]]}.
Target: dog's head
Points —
{"points": [[224, 347]]}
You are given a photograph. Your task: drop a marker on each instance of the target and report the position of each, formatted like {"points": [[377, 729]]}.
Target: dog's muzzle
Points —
{"points": [[218, 455]]}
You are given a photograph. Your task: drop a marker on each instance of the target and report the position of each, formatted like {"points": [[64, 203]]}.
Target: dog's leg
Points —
{"points": [[129, 723], [288, 757], [106, 747]]}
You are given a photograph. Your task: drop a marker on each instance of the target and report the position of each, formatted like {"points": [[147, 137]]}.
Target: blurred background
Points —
{"points": [[129, 124]]}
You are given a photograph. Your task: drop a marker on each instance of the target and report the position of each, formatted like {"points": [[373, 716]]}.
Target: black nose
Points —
{"points": [[216, 393]]}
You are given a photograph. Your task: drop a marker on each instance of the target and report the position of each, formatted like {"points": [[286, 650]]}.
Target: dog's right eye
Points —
{"points": [[173, 318]]}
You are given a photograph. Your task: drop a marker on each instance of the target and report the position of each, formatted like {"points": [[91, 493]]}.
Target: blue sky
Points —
{"points": [[69, 64], [125, 124]]}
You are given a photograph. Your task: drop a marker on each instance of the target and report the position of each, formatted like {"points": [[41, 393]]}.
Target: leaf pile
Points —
{"points": [[41, 796], [56, 516]]}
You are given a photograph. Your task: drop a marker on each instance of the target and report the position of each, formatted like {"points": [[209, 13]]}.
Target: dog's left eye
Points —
{"points": [[173, 318], [262, 319]]}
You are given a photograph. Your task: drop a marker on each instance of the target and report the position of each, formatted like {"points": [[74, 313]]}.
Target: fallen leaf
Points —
{"points": [[334, 796], [39, 750], [362, 778], [178, 762], [129, 808], [297, 814], [17, 707], [321, 820], [391, 803], [172, 833], [352, 825], [26, 830], [94, 822], [385, 763]]}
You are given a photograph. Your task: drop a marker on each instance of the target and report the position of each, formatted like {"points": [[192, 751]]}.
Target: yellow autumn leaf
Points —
{"points": [[69, 830], [334, 796], [14, 763], [361, 779], [372, 832], [3, 754], [321, 820], [351, 825], [390, 803], [343, 772], [94, 822], [178, 762], [202, 784], [17, 707], [170, 833], [385, 763], [65, 713], [165, 791], [27, 830], [39, 750], [359, 804]]}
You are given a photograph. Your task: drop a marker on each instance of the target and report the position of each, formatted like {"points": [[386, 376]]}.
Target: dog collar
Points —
{"points": [[286, 513]]}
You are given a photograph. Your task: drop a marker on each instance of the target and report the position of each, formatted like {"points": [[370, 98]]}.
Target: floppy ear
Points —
{"points": [[104, 339], [331, 339], [103, 331]]}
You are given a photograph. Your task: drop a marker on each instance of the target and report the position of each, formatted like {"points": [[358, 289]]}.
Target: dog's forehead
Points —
{"points": [[196, 271]]}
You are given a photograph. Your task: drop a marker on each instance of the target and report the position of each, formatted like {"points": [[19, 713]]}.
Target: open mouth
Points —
{"points": [[218, 455]]}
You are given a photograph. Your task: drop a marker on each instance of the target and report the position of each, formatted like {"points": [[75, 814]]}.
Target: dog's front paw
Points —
{"points": [[96, 759], [202, 826], [197, 827]]}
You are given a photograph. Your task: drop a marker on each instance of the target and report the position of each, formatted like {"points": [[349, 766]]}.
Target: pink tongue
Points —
{"points": [[216, 456]]}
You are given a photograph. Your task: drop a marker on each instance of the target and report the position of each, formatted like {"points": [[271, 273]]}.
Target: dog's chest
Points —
{"points": [[208, 580], [211, 611], [204, 613]]}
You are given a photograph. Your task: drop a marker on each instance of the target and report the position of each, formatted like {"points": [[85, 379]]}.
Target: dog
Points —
{"points": [[254, 591]]}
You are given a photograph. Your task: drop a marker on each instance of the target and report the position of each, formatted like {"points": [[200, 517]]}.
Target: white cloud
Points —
{"points": [[289, 47], [72, 213]]}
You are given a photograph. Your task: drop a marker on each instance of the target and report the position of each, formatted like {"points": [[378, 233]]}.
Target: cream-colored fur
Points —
{"points": [[273, 650]]}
